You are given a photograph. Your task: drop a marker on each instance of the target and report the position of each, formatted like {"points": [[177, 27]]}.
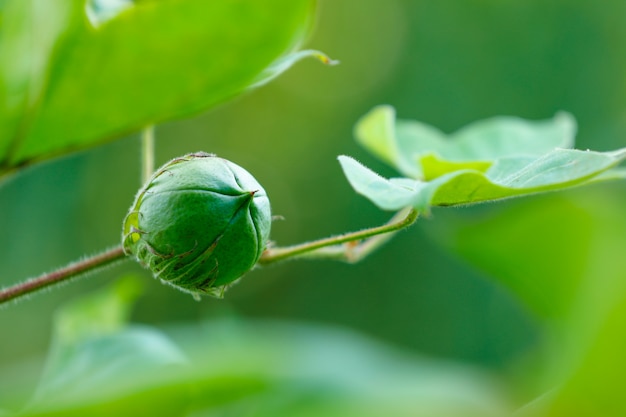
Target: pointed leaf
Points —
{"points": [[387, 194], [488, 160], [421, 151], [282, 64], [143, 64], [509, 177]]}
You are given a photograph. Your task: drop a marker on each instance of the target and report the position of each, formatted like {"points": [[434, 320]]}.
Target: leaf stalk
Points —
{"points": [[350, 247]]}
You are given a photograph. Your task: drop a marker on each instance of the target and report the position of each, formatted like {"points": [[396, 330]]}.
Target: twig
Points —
{"points": [[345, 246], [61, 275]]}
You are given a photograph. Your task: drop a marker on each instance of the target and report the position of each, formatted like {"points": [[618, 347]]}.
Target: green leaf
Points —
{"points": [[557, 170], [424, 152], [284, 63], [96, 354], [29, 31], [98, 314], [489, 160], [596, 325], [562, 256], [387, 194], [106, 365], [143, 64], [537, 248], [338, 371], [233, 367], [271, 368]]}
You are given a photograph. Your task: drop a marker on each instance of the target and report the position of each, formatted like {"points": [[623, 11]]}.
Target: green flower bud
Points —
{"points": [[199, 223]]}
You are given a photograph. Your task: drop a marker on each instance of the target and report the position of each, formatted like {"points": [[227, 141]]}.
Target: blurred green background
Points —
{"points": [[446, 63]]}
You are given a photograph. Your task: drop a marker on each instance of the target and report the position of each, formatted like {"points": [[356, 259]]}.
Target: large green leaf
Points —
{"points": [[29, 31], [93, 346], [150, 62], [562, 256], [423, 152], [489, 160], [538, 248], [232, 367]]}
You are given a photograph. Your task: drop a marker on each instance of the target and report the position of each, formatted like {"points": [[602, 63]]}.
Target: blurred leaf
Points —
{"points": [[273, 369], [563, 257], [284, 63], [596, 336], [151, 62], [538, 248], [337, 367], [101, 313], [105, 366], [488, 160], [99, 11], [29, 31], [238, 368], [95, 353]]}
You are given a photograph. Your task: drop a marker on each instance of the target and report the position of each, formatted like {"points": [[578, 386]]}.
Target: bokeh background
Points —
{"points": [[446, 63]]}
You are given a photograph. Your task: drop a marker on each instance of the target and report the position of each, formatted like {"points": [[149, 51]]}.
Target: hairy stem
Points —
{"points": [[61, 275], [350, 247], [147, 153]]}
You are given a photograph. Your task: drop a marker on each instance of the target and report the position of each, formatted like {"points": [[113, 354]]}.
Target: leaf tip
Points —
{"points": [[375, 131], [325, 59], [346, 161], [568, 123]]}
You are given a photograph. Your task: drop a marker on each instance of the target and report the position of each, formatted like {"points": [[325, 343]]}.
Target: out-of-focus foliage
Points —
{"points": [[578, 285], [67, 83], [234, 367]]}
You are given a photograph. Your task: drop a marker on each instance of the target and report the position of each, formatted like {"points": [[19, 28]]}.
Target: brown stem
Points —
{"points": [[60, 275]]}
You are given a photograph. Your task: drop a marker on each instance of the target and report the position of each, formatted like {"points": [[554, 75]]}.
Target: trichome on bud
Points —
{"points": [[199, 223]]}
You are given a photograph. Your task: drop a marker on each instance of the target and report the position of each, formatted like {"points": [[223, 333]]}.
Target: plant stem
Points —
{"points": [[147, 153], [61, 275], [350, 247], [345, 246]]}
